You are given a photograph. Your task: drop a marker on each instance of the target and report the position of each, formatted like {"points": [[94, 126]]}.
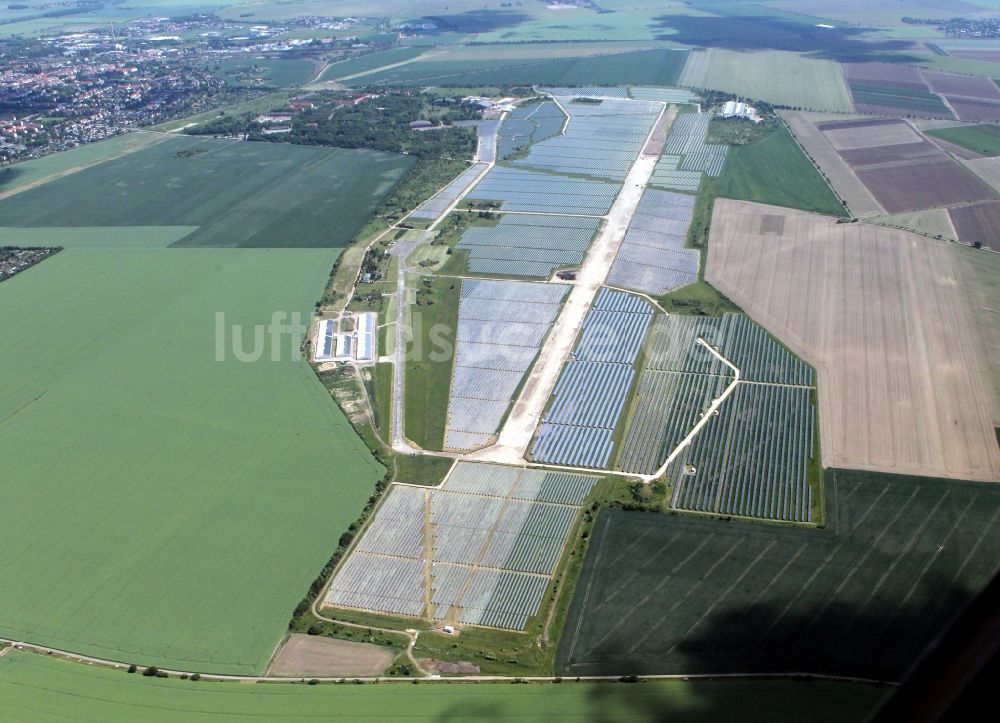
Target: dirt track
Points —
{"points": [[880, 314]]}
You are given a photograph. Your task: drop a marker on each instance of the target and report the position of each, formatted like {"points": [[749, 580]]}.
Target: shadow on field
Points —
{"points": [[476, 21], [9, 176], [764, 33], [878, 642]]}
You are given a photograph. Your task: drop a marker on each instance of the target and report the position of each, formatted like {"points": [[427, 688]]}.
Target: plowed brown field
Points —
{"points": [[880, 314]]}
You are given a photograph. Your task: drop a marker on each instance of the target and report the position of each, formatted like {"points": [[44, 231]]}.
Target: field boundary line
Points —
{"points": [[428, 678], [590, 585]]}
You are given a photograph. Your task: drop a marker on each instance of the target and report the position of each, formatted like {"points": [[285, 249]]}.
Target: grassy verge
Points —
{"points": [[428, 375], [697, 299], [422, 470]]}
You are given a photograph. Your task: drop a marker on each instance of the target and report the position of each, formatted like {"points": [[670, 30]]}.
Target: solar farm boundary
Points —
{"points": [[712, 409]]}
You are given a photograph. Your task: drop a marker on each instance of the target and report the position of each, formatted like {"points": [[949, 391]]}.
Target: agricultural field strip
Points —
{"points": [[528, 245], [972, 98], [903, 402], [893, 88], [900, 168], [587, 401], [908, 547], [841, 176], [183, 190], [497, 534], [673, 428], [501, 326], [653, 258]]}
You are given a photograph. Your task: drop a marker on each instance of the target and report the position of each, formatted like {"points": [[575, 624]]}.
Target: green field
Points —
{"points": [[428, 377], [642, 67], [239, 194], [125, 237], [150, 491], [773, 169], [55, 164], [371, 61], [36, 688], [778, 77], [983, 139], [901, 100], [265, 72], [661, 593]]}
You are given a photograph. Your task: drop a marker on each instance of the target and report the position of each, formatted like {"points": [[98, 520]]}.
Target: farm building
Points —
{"points": [[367, 325], [331, 345], [738, 109]]}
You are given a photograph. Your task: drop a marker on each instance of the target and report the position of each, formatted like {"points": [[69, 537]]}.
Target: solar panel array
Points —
{"points": [[663, 95], [436, 205], [528, 124], [592, 390], [688, 138], [601, 139], [667, 174], [501, 326], [528, 245], [751, 458], [687, 154], [652, 258], [495, 536], [486, 137], [587, 91], [521, 190]]}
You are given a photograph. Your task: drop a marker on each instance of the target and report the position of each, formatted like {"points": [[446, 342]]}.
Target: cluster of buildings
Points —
{"points": [[59, 99], [738, 109], [332, 345]]}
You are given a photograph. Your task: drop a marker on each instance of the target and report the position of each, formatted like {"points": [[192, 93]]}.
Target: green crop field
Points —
{"points": [[125, 237], [663, 593], [237, 193], [162, 506], [369, 62], [36, 688], [902, 100], [983, 139], [273, 72], [642, 67], [65, 162], [774, 76], [773, 169]]}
